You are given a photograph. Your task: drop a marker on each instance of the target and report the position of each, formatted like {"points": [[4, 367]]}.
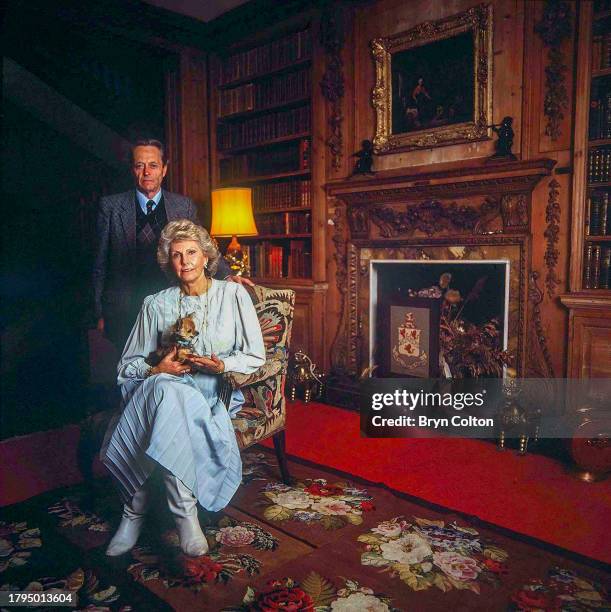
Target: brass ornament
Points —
{"points": [[303, 378]]}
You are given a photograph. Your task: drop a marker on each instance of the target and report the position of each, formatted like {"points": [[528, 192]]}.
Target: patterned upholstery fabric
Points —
{"points": [[264, 411]]}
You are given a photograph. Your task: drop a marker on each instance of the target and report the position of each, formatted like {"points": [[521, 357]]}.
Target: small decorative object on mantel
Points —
{"points": [[303, 378], [364, 162], [503, 145]]}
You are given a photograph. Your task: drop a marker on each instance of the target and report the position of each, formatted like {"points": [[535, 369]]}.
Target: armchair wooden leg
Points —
{"points": [[280, 447]]}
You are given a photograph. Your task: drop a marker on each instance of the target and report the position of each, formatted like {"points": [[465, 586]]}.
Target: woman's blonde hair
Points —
{"points": [[184, 229]]}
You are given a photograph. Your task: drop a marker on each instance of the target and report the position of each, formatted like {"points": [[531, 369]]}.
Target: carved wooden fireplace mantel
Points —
{"points": [[469, 210]]}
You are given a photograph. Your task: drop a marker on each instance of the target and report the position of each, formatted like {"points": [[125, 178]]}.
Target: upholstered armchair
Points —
{"points": [[264, 411]]}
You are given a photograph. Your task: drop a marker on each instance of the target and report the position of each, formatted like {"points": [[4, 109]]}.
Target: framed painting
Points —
{"points": [[434, 83], [408, 337]]}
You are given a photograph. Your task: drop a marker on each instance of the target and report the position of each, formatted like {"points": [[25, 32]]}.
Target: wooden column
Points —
{"points": [[187, 130]]}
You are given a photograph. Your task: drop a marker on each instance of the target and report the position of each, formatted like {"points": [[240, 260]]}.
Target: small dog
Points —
{"points": [[182, 336]]}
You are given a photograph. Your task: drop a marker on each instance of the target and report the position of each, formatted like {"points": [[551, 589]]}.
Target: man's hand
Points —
{"points": [[211, 364], [241, 280], [100, 325]]}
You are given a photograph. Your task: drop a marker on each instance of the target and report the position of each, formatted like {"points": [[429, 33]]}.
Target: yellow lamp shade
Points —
{"points": [[232, 212]]}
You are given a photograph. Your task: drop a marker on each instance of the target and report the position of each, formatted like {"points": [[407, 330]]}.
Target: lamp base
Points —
{"points": [[237, 258]]}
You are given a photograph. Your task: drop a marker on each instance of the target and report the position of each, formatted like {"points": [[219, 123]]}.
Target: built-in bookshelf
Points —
{"points": [[596, 228], [263, 125], [589, 299]]}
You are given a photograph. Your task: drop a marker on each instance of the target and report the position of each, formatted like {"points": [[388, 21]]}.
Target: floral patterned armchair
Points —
{"points": [[264, 411]]}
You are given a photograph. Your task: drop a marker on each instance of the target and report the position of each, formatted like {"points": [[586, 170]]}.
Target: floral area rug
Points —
{"points": [[326, 542]]}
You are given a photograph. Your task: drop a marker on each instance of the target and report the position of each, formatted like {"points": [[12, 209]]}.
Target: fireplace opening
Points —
{"points": [[424, 300]]}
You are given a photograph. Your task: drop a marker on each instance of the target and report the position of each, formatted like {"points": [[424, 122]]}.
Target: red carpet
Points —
{"points": [[532, 495]]}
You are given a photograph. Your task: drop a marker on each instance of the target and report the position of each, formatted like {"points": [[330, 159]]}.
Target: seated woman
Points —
{"points": [[172, 416]]}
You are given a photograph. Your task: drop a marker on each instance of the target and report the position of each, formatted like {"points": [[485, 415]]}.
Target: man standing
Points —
{"points": [[128, 226]]}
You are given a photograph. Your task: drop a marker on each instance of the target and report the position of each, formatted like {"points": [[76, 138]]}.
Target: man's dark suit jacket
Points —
{"points": [[115, 274]]}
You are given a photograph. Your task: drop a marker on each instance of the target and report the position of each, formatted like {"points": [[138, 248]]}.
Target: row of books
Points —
{"points": [[268, 260], [276, 90], [599, 165], [272, 56], [598, 215], [284, 194], [597, 273], [601, 51], [285, 223], [600, 109], [293, 156], [261, 129]]}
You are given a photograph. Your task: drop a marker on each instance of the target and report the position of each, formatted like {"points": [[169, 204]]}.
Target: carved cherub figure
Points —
{"points": [[365, 158], [505, 141]]}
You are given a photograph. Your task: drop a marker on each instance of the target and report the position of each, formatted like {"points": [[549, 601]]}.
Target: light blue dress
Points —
{"points": [[179, 422]]}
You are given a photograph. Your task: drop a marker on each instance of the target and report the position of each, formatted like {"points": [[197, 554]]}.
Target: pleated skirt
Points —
{"points": [[181, 424]]}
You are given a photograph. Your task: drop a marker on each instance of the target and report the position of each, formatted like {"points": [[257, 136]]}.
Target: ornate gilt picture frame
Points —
{"points": [[434, 83]]}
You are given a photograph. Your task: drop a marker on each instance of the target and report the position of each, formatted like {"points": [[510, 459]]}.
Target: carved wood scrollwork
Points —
{"points": [[514, 210], [354, 343], [340, 349], [554, 28], [432, 216], [540, 361], [332, 83], [358, 220], [552, 232]]}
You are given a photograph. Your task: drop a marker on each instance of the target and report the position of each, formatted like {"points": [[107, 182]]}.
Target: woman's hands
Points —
{"points": [[211, 365], [169, 365]]}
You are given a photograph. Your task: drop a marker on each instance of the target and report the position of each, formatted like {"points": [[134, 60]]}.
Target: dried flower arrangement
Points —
{"points": [[466, 350]]}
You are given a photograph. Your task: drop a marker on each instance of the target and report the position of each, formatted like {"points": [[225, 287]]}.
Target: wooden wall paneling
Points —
{"points": [[173, 180], [595, 346], [308, 324], [319, 156], [508, 69], [589, 337], [194, 127], [187, 132], [351, 143]]}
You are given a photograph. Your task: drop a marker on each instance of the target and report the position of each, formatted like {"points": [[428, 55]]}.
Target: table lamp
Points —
{"points": [[232, 216]]}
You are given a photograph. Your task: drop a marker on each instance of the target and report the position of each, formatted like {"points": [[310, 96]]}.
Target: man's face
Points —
{"points": [[148, 169]]}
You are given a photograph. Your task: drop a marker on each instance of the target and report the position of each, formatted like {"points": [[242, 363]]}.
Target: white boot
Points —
{"points": [[184, 508], [131, 525]]}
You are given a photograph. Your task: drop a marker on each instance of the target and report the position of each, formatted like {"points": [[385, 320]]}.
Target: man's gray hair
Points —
{"points": [[184, 229], [148, 142]]}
